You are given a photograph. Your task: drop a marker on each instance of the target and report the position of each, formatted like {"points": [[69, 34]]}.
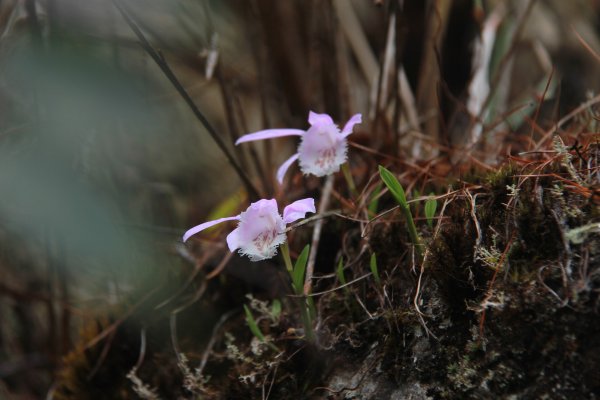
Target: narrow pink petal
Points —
{"points": [[356, 119], [298, 209], [206, 225], [233, 240], [319, 119], [269, 134], [284, 167]]}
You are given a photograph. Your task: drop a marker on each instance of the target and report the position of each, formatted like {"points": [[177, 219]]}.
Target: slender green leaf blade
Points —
{"points": [[396, 189], [374, 269], [253, 325], [394, 186], [312, 310], [299, 269], [430, 207], [276, 309], [374, 203]]}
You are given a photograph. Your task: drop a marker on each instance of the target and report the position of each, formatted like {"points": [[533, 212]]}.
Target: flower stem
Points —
{"points": [[303, 302], [285, 253], [306, 320]]}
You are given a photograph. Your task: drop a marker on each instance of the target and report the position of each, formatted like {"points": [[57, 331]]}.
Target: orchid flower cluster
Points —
{"points": [[261, 229]]}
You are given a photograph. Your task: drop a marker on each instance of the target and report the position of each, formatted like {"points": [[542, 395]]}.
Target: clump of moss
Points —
{"points": [[526, 323]]}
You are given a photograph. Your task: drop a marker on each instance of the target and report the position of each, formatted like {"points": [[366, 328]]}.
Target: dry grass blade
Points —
{"points": [[358, 41], [585, 44], [438, 15]]}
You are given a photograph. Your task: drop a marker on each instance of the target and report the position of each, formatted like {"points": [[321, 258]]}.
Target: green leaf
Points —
{"points": [[253, 325], [256, 330], [374, 203], [396, 189], [340, 272], [276, 309], [312, 310], [299, 269], [374, 269], [394, 186], [430, 207]]}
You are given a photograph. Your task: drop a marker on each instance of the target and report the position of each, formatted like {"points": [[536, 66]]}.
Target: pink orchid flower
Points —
{"points": [[260, 229], [322, 147]]}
